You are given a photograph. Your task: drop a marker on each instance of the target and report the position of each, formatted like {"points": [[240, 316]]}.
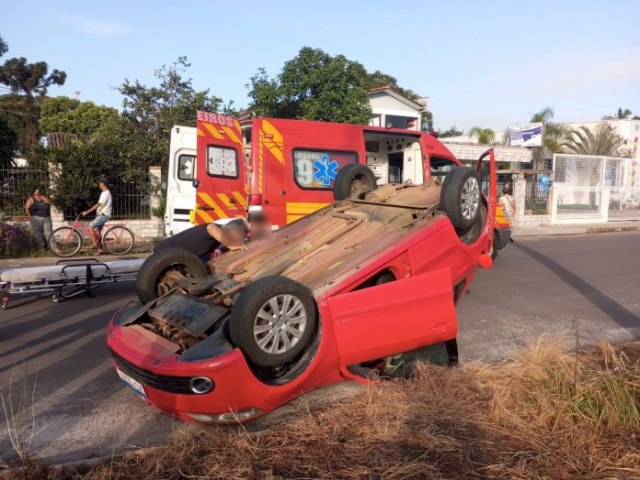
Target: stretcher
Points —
{"points": [[67, 278]]}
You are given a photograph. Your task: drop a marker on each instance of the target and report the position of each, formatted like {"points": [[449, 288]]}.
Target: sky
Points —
{"points": [[488, 63]]}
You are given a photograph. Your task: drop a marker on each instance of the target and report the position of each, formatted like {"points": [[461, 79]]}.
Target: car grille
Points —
{"points": [[160, 382]]}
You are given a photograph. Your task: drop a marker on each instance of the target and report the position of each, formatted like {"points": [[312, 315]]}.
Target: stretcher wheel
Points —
{"points": [[55, 298], [5, 305]]}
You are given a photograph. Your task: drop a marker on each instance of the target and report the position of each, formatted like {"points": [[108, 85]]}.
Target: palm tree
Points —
{"points": [[602, 141], [485, 136], [620, 115], [552, 136]]}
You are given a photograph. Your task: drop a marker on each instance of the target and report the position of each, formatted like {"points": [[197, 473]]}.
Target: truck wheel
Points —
{"points": [[460, 197], [273, 320], [352, 179], [153, 279]]}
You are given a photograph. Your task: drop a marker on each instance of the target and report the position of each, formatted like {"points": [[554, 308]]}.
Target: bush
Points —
{"points": [[16, 240]]}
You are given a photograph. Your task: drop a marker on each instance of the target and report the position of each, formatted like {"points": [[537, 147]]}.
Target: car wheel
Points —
{"points": [[154, 277], [352, 179], [460, 197], [273, 320]]}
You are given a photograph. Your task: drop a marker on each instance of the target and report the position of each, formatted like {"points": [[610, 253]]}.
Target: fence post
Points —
{"points": [[604, 203], [554, 204], [155, 179], [520, 193]]}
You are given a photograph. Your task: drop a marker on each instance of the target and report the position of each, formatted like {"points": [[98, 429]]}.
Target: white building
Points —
{"points": [[393, 110]]}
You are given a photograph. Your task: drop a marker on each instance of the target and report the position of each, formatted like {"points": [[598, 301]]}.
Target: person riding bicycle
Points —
{"points": [[104, 209]]}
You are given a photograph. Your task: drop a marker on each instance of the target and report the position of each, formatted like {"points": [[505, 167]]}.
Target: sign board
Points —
{"points": [[525, 135]]}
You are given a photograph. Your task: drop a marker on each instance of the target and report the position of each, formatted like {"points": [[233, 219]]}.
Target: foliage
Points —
{"points": [[71, 116], [426, 121], [29, 83], [552, 135], [16, 239], [153, 110], [603, 140], [619, 115], [8, 143], [313, 86], [452, 131], [317, 86], [4, 48], [485, 136]]}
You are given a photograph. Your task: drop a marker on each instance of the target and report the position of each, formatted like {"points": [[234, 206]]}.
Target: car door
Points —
{"points": [[394, 317], [221, 172], [486, 168]]}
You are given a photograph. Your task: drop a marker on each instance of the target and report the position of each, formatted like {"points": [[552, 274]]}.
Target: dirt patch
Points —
{"points": [[545, 413]]}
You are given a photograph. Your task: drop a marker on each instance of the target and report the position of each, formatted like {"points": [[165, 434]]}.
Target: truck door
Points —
{"points": [[221, 173], [181, 195], [394, 317]]}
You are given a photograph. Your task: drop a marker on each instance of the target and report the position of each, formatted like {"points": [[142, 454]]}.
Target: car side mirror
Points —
{"points": [[195, 183]]}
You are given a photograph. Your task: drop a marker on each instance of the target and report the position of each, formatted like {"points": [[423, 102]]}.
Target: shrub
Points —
{"points": [[16, 239]]}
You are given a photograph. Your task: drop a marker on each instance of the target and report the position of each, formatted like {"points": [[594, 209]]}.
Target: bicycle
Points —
{"points": [[67, 241]]}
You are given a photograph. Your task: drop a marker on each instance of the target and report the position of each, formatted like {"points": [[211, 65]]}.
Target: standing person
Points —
{"points": [[104, 209], [508, 204], [38, 209]]}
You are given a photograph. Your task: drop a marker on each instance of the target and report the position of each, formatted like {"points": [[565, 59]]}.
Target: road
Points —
{"points": [[583, 287]]}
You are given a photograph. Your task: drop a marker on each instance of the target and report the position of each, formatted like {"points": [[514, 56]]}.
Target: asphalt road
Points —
{"points": [[578, 288]]}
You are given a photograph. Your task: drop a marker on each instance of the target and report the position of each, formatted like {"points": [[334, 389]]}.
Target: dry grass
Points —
{"points": [[544, 414]]}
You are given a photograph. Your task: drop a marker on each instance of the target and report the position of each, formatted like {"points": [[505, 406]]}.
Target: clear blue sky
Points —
{"points": [[481, 63]]}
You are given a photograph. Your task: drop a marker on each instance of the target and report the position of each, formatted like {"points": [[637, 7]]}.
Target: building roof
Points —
{"points": [[398, 96]]}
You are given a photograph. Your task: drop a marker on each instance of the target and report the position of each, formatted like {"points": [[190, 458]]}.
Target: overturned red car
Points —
{"points": [[319, 302]]}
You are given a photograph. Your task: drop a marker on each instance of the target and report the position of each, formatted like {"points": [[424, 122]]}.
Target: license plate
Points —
{"points": [[132, 383]]}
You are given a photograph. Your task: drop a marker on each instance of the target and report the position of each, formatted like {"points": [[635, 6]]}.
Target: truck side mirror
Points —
{"points": [[195, 183]]}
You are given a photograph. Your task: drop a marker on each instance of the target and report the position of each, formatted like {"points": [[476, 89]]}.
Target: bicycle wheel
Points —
{"points": [[118, 240], [65, 241]]}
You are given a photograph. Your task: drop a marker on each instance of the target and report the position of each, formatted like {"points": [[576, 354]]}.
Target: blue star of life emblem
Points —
{"points": [[326, 170]]}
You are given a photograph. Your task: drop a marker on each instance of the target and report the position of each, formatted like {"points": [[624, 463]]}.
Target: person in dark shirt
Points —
{"points": [[204, 240], [38, 210]]}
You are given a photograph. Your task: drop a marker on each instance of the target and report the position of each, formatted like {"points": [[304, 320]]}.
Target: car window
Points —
{"points": [[222, 162], [317, 169], [440, 167], [185, 167]]}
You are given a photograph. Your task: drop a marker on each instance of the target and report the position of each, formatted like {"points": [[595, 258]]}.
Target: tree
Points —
{"points": [[426, 121], [603, 140], [8, 144], [313, 86], [452, 131], [29, 82], [552, 136], [4, 48], [619, 115], [485, 136], [71, 116], [153, 110]]}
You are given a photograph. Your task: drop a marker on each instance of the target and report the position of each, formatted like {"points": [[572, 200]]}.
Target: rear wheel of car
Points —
{"points": [[352, 179], [273, 320], [157, 274], [460, 197]]}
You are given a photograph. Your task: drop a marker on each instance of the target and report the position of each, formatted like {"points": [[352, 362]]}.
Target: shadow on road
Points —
{"points": [[614, 310]]}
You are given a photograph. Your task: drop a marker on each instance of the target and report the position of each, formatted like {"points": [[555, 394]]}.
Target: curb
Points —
{"points": [[612, 229]]}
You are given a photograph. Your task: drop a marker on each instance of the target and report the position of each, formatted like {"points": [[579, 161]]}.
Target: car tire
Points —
{"points": [[353, 178], [262, 314], [149, 283], [460, 197]]}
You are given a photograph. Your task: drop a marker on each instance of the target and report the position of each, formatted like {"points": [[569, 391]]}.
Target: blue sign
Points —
{"points": [[326, 170]]}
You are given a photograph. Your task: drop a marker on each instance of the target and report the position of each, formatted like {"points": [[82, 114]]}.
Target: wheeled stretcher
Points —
{"points": [[67, 278]]}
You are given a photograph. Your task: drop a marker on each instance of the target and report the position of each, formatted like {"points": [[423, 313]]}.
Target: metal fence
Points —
{"points": [[130, 200], [536, 195], [16, 184], [595, 188]]}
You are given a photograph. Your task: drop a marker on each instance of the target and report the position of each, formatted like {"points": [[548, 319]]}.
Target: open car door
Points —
{"points": [[394, 317], [221, 177], [488, 176]]}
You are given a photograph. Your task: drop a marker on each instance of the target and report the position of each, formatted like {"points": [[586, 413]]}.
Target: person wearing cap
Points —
{"points": [[103, 210]]}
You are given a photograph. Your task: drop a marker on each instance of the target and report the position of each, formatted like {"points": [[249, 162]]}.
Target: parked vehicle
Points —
{"points": [[318, 302]]}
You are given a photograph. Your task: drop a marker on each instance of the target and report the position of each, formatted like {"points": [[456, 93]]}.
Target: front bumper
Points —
{"points": [[237, 393]]}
